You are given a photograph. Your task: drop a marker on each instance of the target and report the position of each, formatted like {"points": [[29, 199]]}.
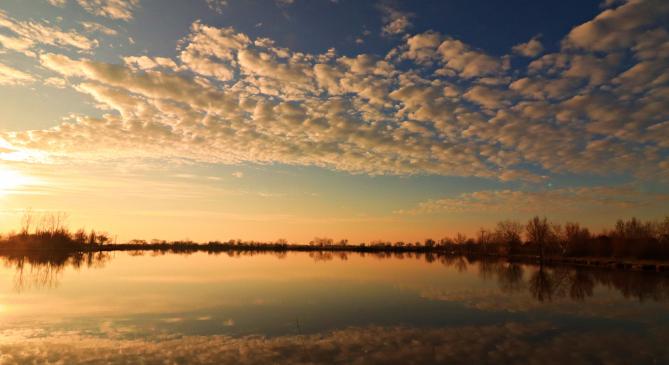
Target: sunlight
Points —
{"points": [[12, 180], [8, 152]]}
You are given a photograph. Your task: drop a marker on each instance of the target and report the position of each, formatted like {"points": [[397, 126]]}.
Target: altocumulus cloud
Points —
{"points": [[114, 9], [596, 106], [533, 202], [27, 36]]}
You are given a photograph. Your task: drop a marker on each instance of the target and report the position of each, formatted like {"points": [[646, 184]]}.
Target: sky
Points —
{"points": [[365, 120]]}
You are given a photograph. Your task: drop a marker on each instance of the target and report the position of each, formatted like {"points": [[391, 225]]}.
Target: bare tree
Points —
{"points": [[80, 236], [26, 222], [509, 233], [322, 242], [538, 232], [460, 239], [92, 238], [485, 239], [575, 239], [102, 238]]}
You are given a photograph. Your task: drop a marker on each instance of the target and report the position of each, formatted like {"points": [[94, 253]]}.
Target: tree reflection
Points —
{"points": [[546, 283], [542, 285], [579, 284], [583, 285], [510, 278], [42, 270], [543, 282]]}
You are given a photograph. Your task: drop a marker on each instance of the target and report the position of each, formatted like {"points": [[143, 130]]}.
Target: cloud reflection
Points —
{"points": [[508, 343]]}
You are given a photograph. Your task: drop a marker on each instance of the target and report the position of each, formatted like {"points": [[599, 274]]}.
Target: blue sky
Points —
{"points": [[424, 117]]}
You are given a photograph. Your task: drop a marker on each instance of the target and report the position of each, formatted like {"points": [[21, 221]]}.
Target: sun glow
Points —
{"points": [[11, 181]]}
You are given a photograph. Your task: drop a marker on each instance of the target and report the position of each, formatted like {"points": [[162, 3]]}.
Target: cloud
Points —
{"points": [[467, 61], [487, 97], [210, 51], [455, 57], [56, 82], [148, 63], [12, 76], [92, 27], [238, 174], [531, 48], [395, 22], [58, 3], [217, 5], [114, 9], [619, 27], [432, 105], [25, 36], [533, 202]]}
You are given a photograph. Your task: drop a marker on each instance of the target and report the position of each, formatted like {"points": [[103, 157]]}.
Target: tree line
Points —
{"points": [[632, 238]]}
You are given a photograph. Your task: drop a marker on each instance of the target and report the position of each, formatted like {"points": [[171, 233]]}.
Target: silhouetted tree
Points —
{"points": [[484, 239], [575, 240], [509, 234], [26, 222], [538, 232], [80, 236]]}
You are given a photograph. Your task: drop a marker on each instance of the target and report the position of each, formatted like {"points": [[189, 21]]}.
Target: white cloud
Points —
{"points": [[238, 174]]}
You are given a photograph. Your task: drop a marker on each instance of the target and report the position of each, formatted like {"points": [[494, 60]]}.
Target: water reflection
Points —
{"points": [[42, 269], [544, 283], [508, 343], [325, 307]]}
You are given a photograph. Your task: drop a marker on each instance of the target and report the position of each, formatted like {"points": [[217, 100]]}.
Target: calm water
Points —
{"points": [[303, 308]]}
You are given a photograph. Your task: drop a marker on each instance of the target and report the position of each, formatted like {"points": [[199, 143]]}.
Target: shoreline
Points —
{"points": [[13, 249]]}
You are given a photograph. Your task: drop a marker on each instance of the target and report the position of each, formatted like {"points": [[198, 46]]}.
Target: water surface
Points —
{"points": [[326, 308]]}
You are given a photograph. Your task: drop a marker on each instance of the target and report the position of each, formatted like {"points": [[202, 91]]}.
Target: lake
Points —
{"points": [[307, 308]]}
